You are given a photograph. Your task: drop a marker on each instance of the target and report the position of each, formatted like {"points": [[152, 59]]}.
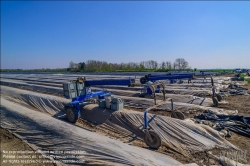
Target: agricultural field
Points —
{"points": [[33, 116]]}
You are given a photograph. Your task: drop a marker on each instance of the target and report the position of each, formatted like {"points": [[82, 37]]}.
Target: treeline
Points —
{"points": [[150, 65], [103, 66]]}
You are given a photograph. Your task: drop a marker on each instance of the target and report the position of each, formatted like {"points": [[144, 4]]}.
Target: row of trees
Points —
{"points": [[151, 65], [103, 66]]}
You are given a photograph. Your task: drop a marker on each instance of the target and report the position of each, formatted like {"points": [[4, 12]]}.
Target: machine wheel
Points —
{"points": [[215, 101], [177, 115], [219, 97], [143, 80], [72, 114], [156, 143]]}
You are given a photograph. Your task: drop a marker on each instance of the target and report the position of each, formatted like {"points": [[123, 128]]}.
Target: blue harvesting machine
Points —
{"points": [[79, 91]]}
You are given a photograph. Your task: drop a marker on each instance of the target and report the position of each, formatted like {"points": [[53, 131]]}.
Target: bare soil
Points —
{"points": [[242, 143], [242, 104], [239, 102]]}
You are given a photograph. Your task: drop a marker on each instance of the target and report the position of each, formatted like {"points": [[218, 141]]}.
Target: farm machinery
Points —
{"points": [[151, 137], [171, 76], [79, 91], [153, 80]]}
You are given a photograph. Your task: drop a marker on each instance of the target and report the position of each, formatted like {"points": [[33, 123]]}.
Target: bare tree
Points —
{"points": [[155, 65], [71, 64], [142, 65], [168, 65], [174, 65], [181, 64], [163, 65], [94, 65], [76, 65]]}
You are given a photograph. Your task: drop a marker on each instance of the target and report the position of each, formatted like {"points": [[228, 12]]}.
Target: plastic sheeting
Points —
{"points": [[33, 87], [203, 101], [43, 101], [236, 123], [50, 79], [184, 137], [100, 75], [50, 134], [234, 89], [47, 86]]}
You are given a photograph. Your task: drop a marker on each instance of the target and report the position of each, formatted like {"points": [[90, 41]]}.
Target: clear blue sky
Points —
{"points": [[40, 34]]}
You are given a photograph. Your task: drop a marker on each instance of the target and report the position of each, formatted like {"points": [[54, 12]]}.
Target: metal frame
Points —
{"points": [[100, 94], [152, 88], [80, 99], [170, 77], [146, 121], [126, 82]]}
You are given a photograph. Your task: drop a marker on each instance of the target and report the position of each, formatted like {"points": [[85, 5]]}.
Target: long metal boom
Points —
{"points": [[170, 77], [145, 79], [175, 74], [125, 82]]}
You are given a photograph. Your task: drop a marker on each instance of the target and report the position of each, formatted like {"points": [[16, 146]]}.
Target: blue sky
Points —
{"points": [[42, 34]]}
